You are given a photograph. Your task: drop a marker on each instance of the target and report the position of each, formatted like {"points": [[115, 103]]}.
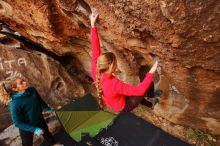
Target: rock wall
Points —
{"points": [[183, 35]]}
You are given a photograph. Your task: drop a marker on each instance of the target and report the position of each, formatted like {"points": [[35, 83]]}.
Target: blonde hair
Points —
{"points": [[6, 89], [106, 61]]}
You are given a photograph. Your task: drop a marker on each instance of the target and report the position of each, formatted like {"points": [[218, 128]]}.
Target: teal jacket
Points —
{"points": [[26, 109]]}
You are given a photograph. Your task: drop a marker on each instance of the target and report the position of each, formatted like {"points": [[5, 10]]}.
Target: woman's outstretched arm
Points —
{"points": [[95, 43], [136, 90]]}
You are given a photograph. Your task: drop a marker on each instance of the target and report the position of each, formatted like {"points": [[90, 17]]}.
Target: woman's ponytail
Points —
{"points": [[6, 89], [99, 89], [106, 62]]}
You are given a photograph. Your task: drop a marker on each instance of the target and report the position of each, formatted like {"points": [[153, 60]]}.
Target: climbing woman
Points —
{"points": [[26, 106], [117, 95]]}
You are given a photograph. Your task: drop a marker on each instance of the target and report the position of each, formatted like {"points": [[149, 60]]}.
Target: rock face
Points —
{"points": [[184, 36]]}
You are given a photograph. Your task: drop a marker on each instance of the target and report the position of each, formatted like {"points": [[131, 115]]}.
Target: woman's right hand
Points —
{"points": [[154, 67], [93, 17]]}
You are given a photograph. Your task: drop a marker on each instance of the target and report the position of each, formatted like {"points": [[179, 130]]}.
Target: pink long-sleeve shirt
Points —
{"points": [[115, 91]]}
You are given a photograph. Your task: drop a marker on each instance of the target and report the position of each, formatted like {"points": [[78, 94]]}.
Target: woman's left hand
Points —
{"points": [[93, 17]]}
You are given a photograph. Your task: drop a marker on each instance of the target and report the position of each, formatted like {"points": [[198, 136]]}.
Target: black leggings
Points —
{"points": [[27, 137], [133, 101]]}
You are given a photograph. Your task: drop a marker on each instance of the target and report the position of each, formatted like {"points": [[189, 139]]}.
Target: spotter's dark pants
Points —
{"points": [[27, 137]]}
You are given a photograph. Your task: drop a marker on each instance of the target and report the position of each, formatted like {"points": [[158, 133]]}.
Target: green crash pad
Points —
{"points": [[78, 118]]}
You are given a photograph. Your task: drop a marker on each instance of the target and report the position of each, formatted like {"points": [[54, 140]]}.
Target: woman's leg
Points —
{"points": [[134, 101], [47, 135], [146, 103], [150, 91], [152, 95], [26, 137]]}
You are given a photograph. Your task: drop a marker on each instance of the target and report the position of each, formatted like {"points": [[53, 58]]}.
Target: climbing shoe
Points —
{"points": [[158, 93], [154, 101]]}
